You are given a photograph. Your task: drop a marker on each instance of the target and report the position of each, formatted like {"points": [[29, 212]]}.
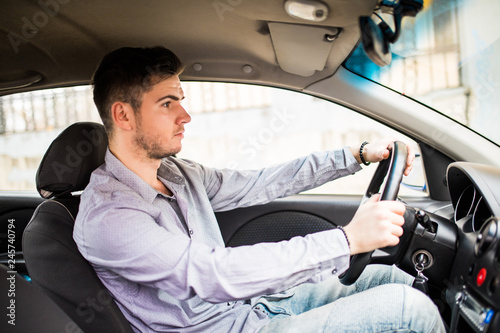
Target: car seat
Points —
{"points": [[52, 258], [28, 309]]}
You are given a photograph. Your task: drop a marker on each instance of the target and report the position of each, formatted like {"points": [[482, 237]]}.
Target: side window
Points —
{"points": [[233, 126], [28, 124], [242, 126]]}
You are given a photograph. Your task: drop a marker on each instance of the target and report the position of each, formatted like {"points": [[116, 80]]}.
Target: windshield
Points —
{"points": [[448, 58]]}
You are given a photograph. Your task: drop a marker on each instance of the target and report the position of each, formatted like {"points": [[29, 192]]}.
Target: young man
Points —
{"points": [[147, 225]]}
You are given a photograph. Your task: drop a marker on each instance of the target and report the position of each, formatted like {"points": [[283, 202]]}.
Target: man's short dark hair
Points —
{"points": [[127, 73]]}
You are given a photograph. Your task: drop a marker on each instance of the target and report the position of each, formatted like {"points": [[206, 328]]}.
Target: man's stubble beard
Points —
{"points": [[152, 147]]}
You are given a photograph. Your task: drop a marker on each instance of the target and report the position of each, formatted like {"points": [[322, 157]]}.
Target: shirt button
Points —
{"points": [[334, 271], [191, 231]]}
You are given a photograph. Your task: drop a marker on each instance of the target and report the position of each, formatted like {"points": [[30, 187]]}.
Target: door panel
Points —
{"points": [[296, 215], [285, 218]]}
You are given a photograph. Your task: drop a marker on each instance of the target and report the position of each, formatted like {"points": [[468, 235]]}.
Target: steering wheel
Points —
{"points": [[391, 168]]}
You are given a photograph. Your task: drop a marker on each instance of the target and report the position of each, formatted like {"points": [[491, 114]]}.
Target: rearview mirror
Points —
{"points": [[375, 45], [377, 38]]}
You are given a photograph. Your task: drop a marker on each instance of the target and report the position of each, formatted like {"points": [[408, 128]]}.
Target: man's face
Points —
{"points": [[161, 119]]}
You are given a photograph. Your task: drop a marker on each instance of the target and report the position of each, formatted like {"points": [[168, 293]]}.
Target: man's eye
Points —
{"points": [[166, 104]]}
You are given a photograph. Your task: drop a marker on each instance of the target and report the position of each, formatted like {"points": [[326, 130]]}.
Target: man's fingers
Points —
{"points": [[397, 231], [410, 160], [392, 240], [394, 206]]}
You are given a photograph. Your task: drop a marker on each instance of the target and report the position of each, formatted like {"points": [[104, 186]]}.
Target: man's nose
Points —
{"points": [[184, 116]]}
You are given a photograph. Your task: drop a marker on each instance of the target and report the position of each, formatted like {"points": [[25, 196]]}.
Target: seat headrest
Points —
{"points": [[70, 159]]}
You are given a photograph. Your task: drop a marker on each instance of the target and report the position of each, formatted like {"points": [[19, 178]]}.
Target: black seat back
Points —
{"points": [[52, 258]]}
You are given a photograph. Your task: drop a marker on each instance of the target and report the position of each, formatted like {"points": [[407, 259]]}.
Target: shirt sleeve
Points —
{"points": [[230, 189], [126, 240]]}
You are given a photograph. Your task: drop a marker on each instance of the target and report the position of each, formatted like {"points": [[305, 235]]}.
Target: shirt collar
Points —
{"points": [[129, 178], [169, 171]]}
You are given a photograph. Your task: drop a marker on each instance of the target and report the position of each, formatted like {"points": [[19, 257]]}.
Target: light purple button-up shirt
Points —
{"points": [[163, 258]]}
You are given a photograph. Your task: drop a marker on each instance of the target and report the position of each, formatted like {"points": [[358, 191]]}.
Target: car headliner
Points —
{"points": [[60, 42]]}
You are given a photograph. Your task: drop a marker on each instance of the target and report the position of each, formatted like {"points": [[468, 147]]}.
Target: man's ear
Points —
{"points": [[123, 115]]}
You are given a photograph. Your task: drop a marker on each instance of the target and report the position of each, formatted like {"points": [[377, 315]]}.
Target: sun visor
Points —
{"points": [[20, 81], [302, 49]]}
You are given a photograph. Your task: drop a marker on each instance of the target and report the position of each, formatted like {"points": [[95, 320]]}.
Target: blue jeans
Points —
{"points": [[381, 300]]}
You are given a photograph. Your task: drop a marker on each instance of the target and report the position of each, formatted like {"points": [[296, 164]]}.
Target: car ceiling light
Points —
{"points": [[197, 67], [307, 10], [247, 69]]}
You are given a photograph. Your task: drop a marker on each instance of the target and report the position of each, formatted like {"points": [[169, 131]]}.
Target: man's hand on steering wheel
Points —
{"points": [[375, 225], [380, 150]]}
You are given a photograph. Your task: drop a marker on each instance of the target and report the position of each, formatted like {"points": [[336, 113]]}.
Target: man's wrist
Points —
{"points": [[355, 153], [359, 153], [361, 156], [345, 235]]}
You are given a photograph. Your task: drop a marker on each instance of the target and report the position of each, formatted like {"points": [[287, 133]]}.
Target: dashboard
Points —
{"points": [[473, 287]]}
